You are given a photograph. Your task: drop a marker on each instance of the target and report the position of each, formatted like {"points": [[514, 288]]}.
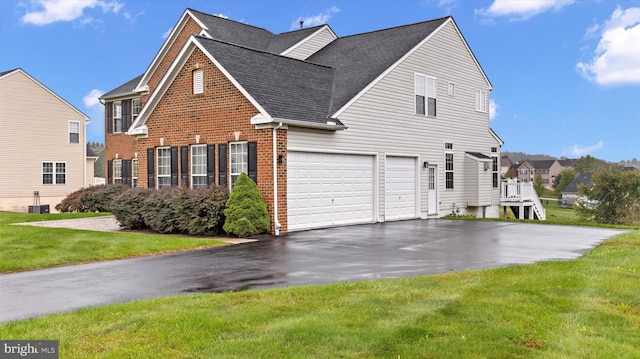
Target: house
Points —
{"points": [[43, 141], [548, 170], [566, 162], [525, 171], [571, 194], [386, 125]]}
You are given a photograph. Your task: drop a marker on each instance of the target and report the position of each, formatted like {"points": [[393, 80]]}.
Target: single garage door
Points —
{"points": [[326, 189], [400, 188]]}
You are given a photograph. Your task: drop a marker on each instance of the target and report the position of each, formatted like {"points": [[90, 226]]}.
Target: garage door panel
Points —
{"points": [[329, 189], [400, 188]]}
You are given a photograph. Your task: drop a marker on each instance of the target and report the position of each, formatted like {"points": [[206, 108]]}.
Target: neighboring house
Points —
{"points": [[571, 194], [525, 171], [566, 162], [386, 125], [548, 169], [505, 165], [43, 144], [92, 157]]}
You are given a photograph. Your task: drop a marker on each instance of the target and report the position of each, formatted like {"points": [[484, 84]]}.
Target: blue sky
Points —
{"points": [[566, 73]]}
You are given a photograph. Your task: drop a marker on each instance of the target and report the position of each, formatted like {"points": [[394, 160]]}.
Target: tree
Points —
{"points": [[538, 184], [614, 197], [563, 180], [246, 213], [511, 173], [588, 164]]}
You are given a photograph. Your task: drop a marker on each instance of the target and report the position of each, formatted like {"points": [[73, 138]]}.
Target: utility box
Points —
{"points": [[39, 209]]}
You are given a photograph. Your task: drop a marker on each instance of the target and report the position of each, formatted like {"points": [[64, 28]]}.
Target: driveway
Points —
{"points": [[364, 252]]}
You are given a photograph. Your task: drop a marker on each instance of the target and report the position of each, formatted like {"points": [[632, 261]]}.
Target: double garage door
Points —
{"points": [[327, 189]]}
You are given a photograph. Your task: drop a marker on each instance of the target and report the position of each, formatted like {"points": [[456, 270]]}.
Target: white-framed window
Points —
{"points": [[136, 107], [134, 172], [239, 160], [451, 89], [117, 171], [54, 172], [198, 166], [495, 167], [74, 132], [448, 166], [425, 89], [117, 116], [198, 81], [164, 167], [481, 101]]}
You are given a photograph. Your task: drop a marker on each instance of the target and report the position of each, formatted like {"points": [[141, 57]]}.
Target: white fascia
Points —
{"points": [[299, 43]]}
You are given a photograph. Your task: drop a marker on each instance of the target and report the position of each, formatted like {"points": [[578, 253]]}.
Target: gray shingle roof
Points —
{"points": [[286, 88], [479, 155], [582, 178], [124, 89], [360, 59], [542, 164], [285, 40], [7, 72], [235, 32]]}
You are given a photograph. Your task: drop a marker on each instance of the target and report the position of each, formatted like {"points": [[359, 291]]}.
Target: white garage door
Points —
{"points": [[325, 189], [400, 188]]}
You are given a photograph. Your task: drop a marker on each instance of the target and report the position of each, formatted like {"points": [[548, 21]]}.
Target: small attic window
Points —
{"points": [[198, 81]]}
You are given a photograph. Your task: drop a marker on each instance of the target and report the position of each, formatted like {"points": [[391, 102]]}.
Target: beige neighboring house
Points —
{"points": [[42, 142]]}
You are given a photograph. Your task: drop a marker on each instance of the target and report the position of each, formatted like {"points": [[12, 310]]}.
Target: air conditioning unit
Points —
{"points": [[39, 209]]}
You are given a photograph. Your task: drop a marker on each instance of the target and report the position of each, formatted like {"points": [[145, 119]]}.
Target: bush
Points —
{"points": [[246, 212], [128, 208], [201, 212], [159, 210], [71, 203], [98, 198]]}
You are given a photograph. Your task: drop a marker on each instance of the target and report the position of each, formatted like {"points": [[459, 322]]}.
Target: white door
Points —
{"points": [[325, 189], [400, 188], [432, 193]]}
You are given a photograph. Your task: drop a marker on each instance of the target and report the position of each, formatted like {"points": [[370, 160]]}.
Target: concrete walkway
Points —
{"points": [[101, 224], [365, 252]]}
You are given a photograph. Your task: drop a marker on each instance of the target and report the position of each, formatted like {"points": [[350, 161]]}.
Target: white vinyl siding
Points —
{"points": [[198, 166], [310, 45], [74, 132], [239, 160], [164, 167], [198, 81]]}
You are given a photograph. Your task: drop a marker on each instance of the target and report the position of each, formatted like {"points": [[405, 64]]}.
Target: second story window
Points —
{"points": [[117, 116], [425, 95], [136, 106], [481, 101], [74, 132], [198, 81], [117, 171]]}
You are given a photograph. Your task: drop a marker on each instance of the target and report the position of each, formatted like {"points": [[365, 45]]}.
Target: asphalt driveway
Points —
{"points": [[383, 250]]}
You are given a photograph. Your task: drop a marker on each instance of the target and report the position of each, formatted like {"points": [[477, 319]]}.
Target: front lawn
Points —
{"points": [[583, 308], [27, 247]]}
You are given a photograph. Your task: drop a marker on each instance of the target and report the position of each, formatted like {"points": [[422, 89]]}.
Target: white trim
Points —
{"points": [[53, 173], [301, 42], [157, 165], [336, 152], [246, 151], [403, 58], [191, 152], [417, 167], [69, 132], [451, 88]]}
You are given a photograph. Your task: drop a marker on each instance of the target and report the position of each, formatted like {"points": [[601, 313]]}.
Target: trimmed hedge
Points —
{"points": [[128, 208], [91, 199]]}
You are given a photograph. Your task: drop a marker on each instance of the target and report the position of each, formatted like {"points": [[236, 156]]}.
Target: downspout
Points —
{"points": [[275, 180]]}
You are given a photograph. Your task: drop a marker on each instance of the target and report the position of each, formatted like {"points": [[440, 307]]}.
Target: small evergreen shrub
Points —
{"points": [[201, 212], [246, 213], [159, 209], [128, 206]]}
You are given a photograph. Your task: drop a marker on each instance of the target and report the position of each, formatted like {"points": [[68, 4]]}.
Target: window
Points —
{"points": [[198, 81], [425, 95], [136, 106], [199, 166], [164, 167], [134, 172], [74, 132], [117, 171], [451, 89], [238, 157], [54, 173], [448, 170], [494, 168], [481, 101], [117, 116]]}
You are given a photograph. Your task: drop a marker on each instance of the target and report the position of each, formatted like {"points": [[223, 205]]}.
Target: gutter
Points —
{"points": [[275, 180]]}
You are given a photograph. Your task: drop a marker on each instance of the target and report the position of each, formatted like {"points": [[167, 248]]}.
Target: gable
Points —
{"points": [[311, 44]]}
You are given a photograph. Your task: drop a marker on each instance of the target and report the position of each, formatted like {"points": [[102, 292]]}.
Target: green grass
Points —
{"points": [[557, 213], [583, 308], [28, 247]]}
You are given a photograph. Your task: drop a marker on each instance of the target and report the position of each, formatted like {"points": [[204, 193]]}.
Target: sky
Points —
{"points": [[565, 73]]}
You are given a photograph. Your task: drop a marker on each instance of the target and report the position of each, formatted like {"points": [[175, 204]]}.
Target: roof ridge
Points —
{"points": [[397, 27], [227, 19], [306, 28]]}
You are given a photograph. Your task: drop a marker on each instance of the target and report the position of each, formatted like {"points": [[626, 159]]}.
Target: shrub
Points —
{"points": [[128, 208], [71, 203], [201, 212], [159, 209], [246, 212], [98, 198]]}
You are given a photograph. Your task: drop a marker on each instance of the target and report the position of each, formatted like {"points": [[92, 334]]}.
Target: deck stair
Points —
{"points": [[522, 198]]}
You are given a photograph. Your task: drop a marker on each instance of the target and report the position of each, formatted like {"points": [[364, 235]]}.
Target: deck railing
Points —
{"points": [[515, 191]]}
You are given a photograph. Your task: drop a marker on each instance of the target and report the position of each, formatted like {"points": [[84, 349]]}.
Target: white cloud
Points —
{"points": [[92, 98], [493, 109], [315, 20], [43, 12], [522, 9], [579, 151], [167, 33], [616, 60]]}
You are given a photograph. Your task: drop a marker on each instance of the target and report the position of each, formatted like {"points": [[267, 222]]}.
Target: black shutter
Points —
{"points": [[109, 111], [109, 172], [126, 172], [211, 165], [174, 166], [184, 165], [222, 165], [150, 168], [126, 115], [252, 161]]}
